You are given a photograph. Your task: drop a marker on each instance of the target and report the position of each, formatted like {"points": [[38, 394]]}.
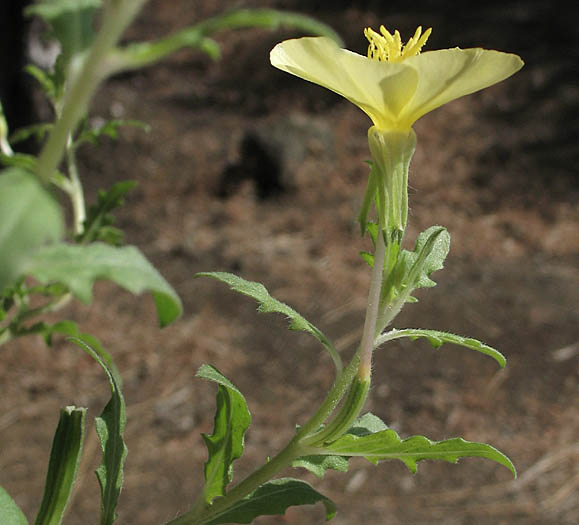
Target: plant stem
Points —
{"points": [[86, 73], [200, 515], [369, 334], [76, 190]]}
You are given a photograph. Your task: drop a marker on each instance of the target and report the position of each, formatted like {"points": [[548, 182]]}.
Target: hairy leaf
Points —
{"points": [[273, 498], [267, 304], [63, 466], [29, 217], [225, 445], [364, 425], [437, 339], [78, 267], [10, 513], [387, 445], [110, 426]]}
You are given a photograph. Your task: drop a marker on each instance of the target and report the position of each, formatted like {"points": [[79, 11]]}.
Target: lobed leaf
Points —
{"points": [[63, 466], [267, 304], [437, 339], [10, 513], [78, 267], [387, 445], [274, 498], [110, 426], [225, 445], [29, 217]]}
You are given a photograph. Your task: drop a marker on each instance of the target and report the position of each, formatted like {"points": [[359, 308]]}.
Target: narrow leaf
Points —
{"points": [[274, 498], [29, 217], [10, 513], [437, 339], [143, 54], [110, 426], [63, 466], [267, 304], [225, 445], [78, 267], [387, 445]]}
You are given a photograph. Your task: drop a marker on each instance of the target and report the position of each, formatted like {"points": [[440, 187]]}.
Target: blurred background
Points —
{"points": [[250, 170]]}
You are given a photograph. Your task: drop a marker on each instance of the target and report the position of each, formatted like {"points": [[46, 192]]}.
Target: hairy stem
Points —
{"points": [[369, 334]]}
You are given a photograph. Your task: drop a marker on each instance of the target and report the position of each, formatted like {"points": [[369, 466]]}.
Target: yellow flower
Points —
{"points": [[395, 85]]}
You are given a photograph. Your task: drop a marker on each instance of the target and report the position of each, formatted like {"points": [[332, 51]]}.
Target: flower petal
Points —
{"points": [[448, 74], [381, 89]]}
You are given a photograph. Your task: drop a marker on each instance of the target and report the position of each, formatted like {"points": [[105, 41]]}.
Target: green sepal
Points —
{"points": [[437, 339], [29, 217], [387, 445], [63, 466], [225, 445], [78, 267], [10, 512], [267, 304], [274, 498], [110, 427]]}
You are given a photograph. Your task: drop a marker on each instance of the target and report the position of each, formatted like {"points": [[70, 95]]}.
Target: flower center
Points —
{"points": [[387, 47]]}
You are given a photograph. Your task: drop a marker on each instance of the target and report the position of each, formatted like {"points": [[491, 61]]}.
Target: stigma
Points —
{"points": [[388, 47]]}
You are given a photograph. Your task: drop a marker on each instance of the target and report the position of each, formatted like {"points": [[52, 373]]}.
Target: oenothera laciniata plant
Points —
{"points": [[394, 85], [44, 263]]}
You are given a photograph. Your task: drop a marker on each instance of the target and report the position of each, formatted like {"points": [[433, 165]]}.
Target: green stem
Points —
{"points": [[86, 73], [76, 190], [200, 514], [369, 334]]}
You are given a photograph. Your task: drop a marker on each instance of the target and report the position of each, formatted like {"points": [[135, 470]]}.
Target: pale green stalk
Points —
{"points": [[86, 73]]}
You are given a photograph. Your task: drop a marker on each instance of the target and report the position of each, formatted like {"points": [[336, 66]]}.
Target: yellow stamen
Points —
{"points": [[388, 47]]}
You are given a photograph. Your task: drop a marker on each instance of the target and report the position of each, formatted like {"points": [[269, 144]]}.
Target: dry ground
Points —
{"points": [[498, 169]]}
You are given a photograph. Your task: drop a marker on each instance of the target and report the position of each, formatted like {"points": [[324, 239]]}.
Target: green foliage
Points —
{"points": [[108, 128], [387, 445], [63, 465], [71, 22], [98, 222], [267, 304], [78, 267], [36, 131], [274, 498], [22, 233], [225, 445], [437, 339], [363, 426], [141, 54], [110, 426], [10, 513]]}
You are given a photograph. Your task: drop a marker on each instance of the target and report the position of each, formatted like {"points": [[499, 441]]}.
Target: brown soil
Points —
{"points": [[498, 169]]}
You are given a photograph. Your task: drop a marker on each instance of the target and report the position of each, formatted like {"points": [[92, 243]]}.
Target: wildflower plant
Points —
{"points": [[45, 263]]}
